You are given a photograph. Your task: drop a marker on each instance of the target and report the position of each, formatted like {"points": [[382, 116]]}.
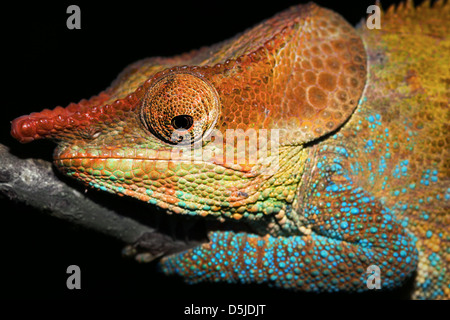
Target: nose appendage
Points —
{"points": [[77, 120]]}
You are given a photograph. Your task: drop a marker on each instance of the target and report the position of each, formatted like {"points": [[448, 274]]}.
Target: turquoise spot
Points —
{"points": [[429, 234], [323, 253]]}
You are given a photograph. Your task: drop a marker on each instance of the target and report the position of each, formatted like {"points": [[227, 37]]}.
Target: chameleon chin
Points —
{"points": [[361, 163]]}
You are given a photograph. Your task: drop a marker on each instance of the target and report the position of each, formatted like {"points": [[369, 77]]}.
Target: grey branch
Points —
{"points": [[33, 182]]}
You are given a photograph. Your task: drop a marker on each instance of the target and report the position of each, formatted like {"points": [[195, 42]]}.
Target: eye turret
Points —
{"points": [[180, 108]]}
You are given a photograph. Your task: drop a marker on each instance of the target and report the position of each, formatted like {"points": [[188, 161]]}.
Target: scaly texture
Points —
{"points": [[350, 132]]}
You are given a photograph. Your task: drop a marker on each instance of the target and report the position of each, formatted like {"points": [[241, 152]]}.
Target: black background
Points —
{"points": [[45, 65]]}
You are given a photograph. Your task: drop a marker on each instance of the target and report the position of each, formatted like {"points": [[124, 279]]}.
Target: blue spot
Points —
{"points": [[344, 225], [323, 253], [429, 234]]}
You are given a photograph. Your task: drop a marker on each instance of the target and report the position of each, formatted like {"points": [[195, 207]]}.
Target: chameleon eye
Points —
{"points": [[180, 108]]}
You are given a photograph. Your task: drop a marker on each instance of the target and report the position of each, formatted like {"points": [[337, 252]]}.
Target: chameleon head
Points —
{"points": [[163, 131]]}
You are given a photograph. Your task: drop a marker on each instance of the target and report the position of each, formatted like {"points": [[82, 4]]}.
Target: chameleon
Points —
{"points": [[318, 151]]}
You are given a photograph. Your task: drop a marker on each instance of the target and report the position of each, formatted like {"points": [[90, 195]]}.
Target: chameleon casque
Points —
{"points": [[358, 174]]}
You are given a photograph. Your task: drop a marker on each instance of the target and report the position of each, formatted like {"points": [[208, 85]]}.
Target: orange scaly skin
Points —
{"points": [[360, 174]]}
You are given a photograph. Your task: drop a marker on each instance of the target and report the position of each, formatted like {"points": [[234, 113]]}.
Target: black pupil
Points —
{"points": [[183, 121]]}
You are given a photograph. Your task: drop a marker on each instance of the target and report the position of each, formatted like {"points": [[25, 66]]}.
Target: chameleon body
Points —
{"points": [[355, 125]]}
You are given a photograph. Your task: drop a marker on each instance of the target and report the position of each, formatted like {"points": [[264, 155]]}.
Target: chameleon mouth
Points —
{"points": [[171, 233], [176, 228]]}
